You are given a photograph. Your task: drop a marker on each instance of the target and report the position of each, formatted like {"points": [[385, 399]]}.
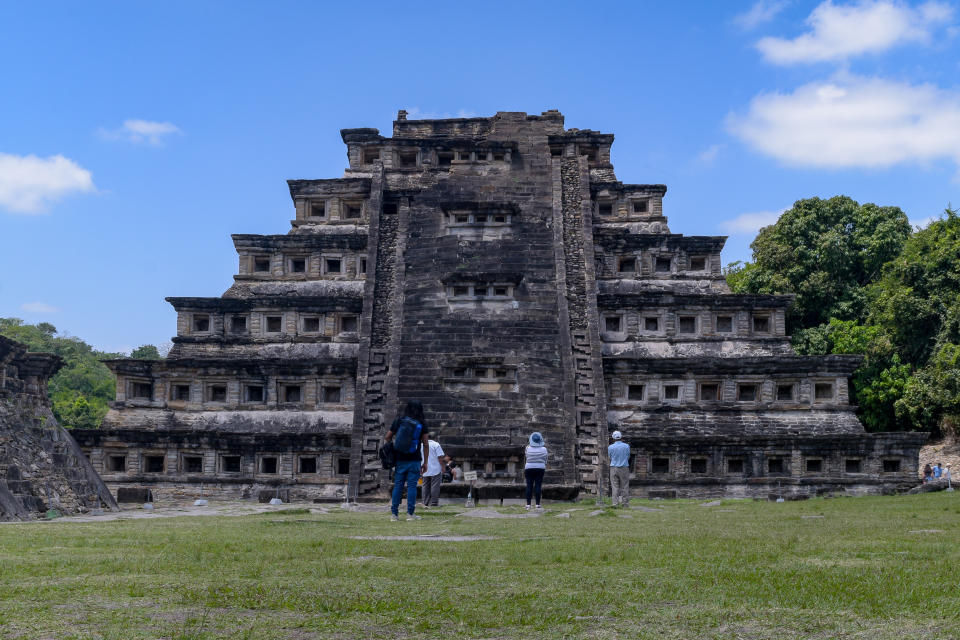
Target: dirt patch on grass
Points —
{"points": [[490, 513], [427, 538], [838, 562]]}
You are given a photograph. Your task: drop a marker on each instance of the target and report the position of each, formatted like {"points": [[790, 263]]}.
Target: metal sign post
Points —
{"points": [[471, 477]]}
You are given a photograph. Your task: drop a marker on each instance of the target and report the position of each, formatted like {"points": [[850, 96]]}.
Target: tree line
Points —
{"points": [[80, 391], [866, 282]]}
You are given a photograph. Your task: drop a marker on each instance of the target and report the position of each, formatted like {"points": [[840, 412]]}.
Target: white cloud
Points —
{"points": [[838, 32], [709, 155], [761, 12], [141, 131], [750, 223], [920, 223], [853, 121], [38, 307], [29, 184]]}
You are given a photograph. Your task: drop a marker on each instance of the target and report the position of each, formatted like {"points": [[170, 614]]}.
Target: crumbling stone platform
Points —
{"points": [[41, 466]]}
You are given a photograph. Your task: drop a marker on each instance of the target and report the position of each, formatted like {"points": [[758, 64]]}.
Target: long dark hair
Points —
{"points": [[414, 409]]}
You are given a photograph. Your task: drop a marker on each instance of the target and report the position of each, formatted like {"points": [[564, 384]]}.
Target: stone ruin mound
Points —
{"points": [[41, 466]]}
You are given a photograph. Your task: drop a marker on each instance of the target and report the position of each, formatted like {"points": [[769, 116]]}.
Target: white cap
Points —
{"points": [[616, 435]]}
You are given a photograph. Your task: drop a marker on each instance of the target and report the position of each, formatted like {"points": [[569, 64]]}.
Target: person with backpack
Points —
{"points": [[534, 467], [408, 437]]}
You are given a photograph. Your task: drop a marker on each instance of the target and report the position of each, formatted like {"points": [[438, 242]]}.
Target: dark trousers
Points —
{"points": [[534, 483], [431, 490]]}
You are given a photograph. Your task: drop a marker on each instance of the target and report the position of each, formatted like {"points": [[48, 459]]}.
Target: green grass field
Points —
{"points": [[870, 568]]}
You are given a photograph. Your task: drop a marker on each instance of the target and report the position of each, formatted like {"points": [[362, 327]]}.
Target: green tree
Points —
{"points": [[932, 397], [80, 391], [878, 383], [79, 411], [918, 298], [145, 352], [825, 252]]}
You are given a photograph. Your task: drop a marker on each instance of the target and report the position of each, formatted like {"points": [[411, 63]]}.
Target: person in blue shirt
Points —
{"points": [[619, 453], [937, 471]]}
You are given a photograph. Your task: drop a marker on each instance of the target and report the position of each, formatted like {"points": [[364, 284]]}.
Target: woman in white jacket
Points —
{"points": [[535, 467]]}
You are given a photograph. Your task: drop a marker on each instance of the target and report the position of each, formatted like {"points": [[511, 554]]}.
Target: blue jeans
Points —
{"points": [[407, 471]]}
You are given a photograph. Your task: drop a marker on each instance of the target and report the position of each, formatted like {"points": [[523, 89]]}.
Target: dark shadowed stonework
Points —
{"points": [[41, 466], [497, 270]]}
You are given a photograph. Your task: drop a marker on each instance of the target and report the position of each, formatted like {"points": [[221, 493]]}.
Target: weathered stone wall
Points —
{"points": [[772, 465], [41, 467], [497, 270], [489, 371], [211, 462]]}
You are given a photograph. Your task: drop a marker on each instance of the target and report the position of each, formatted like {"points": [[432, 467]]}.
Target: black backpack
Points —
{"points": [[388, 457], [407, 439]]}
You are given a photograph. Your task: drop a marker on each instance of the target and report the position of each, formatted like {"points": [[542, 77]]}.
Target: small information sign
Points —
{"points": [[470, 476]]}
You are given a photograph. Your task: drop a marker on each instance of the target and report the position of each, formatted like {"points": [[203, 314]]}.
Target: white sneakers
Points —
{"points": [[414, 517], [394, 518]]}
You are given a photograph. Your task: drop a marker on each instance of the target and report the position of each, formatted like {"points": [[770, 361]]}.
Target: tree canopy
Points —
{"points": [[80, 391], [825, 252], [145, 352], [918, 298]]}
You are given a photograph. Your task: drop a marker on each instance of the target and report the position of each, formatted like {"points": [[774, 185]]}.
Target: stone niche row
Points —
{"points": [[655, 263], [213, 393], [442, 155], [304, 465], [320, 210], [304, 265], [268, 324], [618, 325], [786, 392], [757, 464], [633, 207]]}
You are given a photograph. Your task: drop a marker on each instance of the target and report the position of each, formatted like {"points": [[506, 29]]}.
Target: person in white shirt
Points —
{"points": [[432, 477]]}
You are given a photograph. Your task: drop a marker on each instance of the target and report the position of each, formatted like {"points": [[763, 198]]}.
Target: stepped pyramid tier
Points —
{"points": [[42, 468], [495, 269]]}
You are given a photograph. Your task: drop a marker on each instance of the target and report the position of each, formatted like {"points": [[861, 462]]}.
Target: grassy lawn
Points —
{"points": [[870, 568]]}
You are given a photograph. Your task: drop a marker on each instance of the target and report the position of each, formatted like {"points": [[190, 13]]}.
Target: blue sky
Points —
{"points": [[136, 137]]}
